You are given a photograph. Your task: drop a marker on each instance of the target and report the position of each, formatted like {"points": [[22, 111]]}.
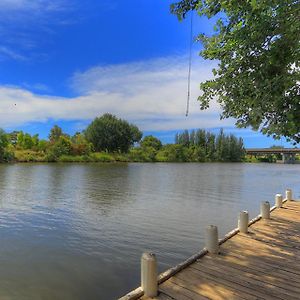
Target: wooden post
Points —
{"points": [[212, 240], [149, 274], [265, 210], [288, 194], [278, 200], [243, 222]]}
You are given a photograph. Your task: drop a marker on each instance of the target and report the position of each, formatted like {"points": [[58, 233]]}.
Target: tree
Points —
{"points": [[42, 145], [176, 138], [35, 140], [151, 141], [3, 144], [62, 146], [211, 146], [80, 146], [200, 138], [257, 45], [184, 138], [20, 139], [135, 133], [55, 134], [220, 145], [27, 141], [192, 137], [108, 133], [13, 137]]}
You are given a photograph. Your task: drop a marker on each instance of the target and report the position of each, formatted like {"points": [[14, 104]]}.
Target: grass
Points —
{"points": [[134, 155], [29, 156], [36, 156]]}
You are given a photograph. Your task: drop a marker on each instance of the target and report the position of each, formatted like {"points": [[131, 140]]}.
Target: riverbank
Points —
{"points": [[134, 155], [194, 146]]}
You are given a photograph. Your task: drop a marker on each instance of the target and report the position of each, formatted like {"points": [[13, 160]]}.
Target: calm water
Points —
{"points": [[76, 231]]}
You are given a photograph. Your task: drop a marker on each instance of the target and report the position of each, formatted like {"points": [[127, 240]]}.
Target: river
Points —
{"points": [[77, 231]]}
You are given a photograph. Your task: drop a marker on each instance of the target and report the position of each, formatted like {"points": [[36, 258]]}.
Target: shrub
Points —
{"points": [[102, 157]]}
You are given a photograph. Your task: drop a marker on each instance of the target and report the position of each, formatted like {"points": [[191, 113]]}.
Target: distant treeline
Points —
{"points": [[206, 146], [110, 139]]}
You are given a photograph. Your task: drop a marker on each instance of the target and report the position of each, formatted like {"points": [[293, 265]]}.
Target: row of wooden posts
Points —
{"points": [[149, 283]]}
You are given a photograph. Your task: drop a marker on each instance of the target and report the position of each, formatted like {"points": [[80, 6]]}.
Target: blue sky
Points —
{"points": [[67, 61]]}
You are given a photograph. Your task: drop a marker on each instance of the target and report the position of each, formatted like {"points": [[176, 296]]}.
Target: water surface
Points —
{"points": [[76, 231]]}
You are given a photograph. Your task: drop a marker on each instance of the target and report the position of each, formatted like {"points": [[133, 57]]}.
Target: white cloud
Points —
{"points": [[151, 94]]}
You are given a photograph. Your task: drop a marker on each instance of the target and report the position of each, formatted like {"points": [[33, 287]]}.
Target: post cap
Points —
{"points": [[149, 256]]}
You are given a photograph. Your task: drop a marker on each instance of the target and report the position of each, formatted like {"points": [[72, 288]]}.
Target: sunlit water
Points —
{"points": [[76, 231]]}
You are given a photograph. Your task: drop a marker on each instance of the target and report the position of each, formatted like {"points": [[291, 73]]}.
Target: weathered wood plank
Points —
{"points": [[244, 285], [257, 282], [178, 290], [258, 268], [264, 264], [204, 286]]}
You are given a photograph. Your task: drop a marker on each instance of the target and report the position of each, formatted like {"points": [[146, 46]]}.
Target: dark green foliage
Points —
{"points": [[257, 45], [6, 153], [208, 147], [184, 138], [3, 145], [55, 134], [108, 133], [42, 145], [13, 137], [151, 141], [173, 153], [142, 154], [62, 146], [192, 138], [26, 142], [194, 146]]}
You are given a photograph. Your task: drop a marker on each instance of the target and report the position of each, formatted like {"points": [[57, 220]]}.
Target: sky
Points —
{"points": [[66, 62]]}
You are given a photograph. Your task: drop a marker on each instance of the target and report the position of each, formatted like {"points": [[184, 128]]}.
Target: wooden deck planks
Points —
{"points": [[264, 264]]}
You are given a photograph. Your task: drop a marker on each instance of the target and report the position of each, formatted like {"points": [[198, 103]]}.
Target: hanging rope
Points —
{"points": [[190, 69]]}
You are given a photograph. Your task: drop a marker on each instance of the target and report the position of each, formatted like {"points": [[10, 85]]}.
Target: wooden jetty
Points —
{"points": [[258, 261]]}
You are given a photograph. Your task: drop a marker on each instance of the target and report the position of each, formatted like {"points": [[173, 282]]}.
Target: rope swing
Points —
{"points": [[190, 69]]}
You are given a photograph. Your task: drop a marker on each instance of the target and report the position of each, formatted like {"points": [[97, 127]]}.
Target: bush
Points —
{"points": [[138, 155], [121, 157], [63, 146], [80, 146], [173, 153], [29, 156], [102, 157], [72, 158]]}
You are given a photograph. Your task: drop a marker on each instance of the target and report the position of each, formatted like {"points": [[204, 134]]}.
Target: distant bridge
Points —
{"points": [[288, 154]]}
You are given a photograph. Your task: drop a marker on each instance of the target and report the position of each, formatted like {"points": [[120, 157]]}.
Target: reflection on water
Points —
{"points": [[76, 231]]}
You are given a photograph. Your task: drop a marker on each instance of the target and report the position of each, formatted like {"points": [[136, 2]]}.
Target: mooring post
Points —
{"points": [[265, 210], [212, 239], [149, 274], [288, 194], [243, 221], [278, 200]]}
